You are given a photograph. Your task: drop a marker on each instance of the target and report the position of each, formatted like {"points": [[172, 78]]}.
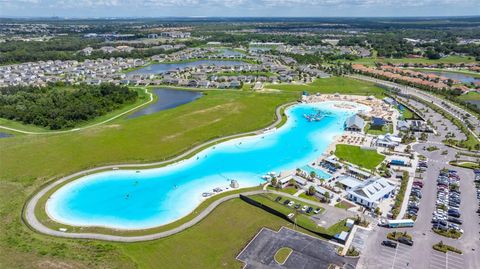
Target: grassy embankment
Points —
{"points": [[27, 162], [368, 159]]}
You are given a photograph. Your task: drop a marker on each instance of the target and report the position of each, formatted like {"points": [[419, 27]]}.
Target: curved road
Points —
{"points": [[31, 219], [82, 128]]}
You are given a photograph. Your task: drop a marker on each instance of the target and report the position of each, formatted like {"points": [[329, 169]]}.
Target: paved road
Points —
{"points": [[82, 128], [452, 109], [31, 219], [422, 255]]}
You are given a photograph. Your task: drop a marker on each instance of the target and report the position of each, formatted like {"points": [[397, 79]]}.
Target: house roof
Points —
{"points": [[355, 121], [350, 182], [373, 189]]}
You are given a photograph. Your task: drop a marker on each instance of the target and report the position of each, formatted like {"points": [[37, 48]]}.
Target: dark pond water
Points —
{"points": [[465, 78], [4, 135], [475, 102], [167, 98], [162, 68]]}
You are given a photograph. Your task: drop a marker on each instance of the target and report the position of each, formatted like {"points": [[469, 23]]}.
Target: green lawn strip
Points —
{"points": [[289, 190], [282, 254], [212, 243], [465, 164], [368, 159], [440, 246], [332, 85], [378, 130], [308, 197], [400, 195], [43, 217], [471, 96], [154, 137]]}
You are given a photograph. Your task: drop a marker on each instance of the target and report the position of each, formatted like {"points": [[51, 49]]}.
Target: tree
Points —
{"points": [[313, 175], [377, 211], [274, 182], [293, 182], [311, 190]]}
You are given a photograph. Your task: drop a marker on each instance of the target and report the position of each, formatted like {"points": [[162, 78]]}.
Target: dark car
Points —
{"points": [[389, 243], [455, 220], [286, 202], [278, 199], [297, 206], [405, 241], [310, 209], [454, 214]]}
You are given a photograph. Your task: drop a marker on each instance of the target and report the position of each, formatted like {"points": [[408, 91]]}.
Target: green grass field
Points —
{"points": [[28, 161], [213, 243], [282, 255], [368, 159], [374, 130], [471, 96], [332, 85]]}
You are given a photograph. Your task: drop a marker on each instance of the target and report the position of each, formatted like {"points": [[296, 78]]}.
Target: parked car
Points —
{"points": [[405, 240], [389, 243]]}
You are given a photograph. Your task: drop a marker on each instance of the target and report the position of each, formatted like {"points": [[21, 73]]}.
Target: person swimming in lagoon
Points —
{"points": [[127, 196]]}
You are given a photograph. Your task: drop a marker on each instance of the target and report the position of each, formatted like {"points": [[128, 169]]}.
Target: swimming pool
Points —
{"points": [[320, 173], [126, 199]]}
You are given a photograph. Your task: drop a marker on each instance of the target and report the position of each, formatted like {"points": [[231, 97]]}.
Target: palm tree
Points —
{"points": [[313, 175], [311, 190]]}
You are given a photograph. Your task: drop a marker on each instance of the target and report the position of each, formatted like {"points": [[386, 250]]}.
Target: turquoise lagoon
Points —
{"points": [[129, 199]]}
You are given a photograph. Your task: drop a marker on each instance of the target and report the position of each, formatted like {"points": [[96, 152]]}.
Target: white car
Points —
{"points": [[291, 203], [304, 208]]}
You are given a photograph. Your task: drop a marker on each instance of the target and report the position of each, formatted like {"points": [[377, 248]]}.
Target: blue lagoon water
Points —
{"points": [[125, 199]]}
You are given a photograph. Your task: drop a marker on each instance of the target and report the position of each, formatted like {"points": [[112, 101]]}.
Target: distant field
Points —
{"points": [[368, 159], [446, 60], [213, 243], [471, 96], [341, 85]]}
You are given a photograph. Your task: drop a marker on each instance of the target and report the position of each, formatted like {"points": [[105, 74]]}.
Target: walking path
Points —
{"points": [[82, 128], [29, 211]]}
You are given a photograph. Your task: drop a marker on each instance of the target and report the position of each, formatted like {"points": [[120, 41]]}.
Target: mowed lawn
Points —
{"points": [[213, 243], [341, 85], [368, 159], [471, 96], [154, 137], [27, 162]]}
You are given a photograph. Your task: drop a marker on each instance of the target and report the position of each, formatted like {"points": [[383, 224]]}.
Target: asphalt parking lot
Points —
{"points": [[308, 252], [361, 235], [447, 260], [396, 258]]}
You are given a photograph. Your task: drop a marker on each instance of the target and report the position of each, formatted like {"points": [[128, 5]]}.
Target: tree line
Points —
{"points": [[57, 107]]}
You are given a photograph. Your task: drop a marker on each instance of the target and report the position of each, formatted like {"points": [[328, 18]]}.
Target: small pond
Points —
{"points": [[167, 98]]}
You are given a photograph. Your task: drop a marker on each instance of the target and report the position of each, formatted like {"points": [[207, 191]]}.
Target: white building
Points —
{"points": [[388, 141], [370, 192]]}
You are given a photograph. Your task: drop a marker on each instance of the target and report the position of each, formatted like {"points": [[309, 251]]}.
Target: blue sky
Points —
{"points": [[238, 8]]}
